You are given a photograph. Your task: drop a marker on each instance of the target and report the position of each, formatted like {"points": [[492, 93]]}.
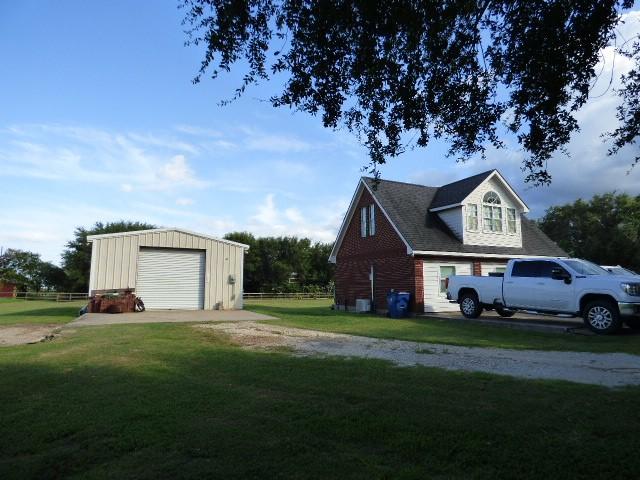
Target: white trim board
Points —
{"points": [[90, 238], [477, 255]]}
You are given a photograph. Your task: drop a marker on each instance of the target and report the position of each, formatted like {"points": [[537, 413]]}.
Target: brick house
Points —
{"points": [[411, 237]]}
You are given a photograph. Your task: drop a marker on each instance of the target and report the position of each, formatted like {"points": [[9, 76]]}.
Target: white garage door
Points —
{"points": [[171, 278], [434, 273]]}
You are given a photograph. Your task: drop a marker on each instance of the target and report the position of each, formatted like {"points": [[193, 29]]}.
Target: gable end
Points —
{"points": [[385, 228]]}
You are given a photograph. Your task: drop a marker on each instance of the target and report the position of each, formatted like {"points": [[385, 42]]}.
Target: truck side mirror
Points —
{"points": [[560, 274]]}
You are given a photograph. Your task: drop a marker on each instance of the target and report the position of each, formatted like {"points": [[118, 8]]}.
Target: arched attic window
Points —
{"points": [[492, 198], [492, 212]]}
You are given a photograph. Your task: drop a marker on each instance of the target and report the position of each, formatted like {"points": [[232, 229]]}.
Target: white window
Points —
{"points": [[445, 272], [492, 198], [472, 217], [511, 220], [492, 213], [367, 221], [372, 220]]}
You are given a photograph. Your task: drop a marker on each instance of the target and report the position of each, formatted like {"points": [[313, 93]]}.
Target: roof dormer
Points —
{"points": [[481, 210]]}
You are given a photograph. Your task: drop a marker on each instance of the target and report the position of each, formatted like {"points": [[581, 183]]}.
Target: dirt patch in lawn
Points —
{"points": [[607, 369], [23, 334]]}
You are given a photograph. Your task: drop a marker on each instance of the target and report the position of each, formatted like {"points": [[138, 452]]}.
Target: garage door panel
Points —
{"points": [[171, 278]]}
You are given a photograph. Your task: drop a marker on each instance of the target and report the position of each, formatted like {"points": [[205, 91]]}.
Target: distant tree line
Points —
{"points": [[28, 272], [605, 229], [273, 264], [285, 264]]}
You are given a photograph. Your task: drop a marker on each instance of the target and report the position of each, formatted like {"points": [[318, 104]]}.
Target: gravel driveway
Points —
{"points": [[606, 369]]}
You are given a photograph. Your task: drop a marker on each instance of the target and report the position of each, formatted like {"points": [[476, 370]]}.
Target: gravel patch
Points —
{"points": [[605, 369], [23, 334]]}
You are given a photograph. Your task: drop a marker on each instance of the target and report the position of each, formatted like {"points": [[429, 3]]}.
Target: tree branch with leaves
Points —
{"points": [[401, 73]]}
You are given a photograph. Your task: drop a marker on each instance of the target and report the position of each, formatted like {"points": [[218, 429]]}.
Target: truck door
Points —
{"points": [[516, 287], [552, 293]]}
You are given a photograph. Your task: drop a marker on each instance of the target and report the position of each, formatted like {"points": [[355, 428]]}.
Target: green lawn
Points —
{"points": [[171, 400], [15, 311], [316, 314]]}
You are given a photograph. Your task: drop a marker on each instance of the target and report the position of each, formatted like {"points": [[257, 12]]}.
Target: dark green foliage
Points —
{"points": [[29, 272], [605, 229], [76, 259], [285, 264], [629, 110], [399, 73]]}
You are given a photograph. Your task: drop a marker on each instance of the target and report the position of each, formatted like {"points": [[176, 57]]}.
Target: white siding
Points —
{"points": [[453, 219], [434, 301], [481, 237], [114, 263]]}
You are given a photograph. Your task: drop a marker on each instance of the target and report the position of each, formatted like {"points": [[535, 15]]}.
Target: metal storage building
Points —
{"points": [[169, 268]]}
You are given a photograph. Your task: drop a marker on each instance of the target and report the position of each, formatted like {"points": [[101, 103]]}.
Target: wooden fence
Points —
{"points": [[299, 296], [53, 296], [70, 296]]}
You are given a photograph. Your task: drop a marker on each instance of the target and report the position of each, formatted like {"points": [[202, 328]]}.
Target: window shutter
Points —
{"points": [[372, 219], [363, 221]]}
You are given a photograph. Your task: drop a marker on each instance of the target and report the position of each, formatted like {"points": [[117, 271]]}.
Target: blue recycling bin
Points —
{"points": [[392, 300], [398, 304]]}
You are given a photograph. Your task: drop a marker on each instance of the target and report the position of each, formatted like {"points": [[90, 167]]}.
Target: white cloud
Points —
{"points": [[87, 155], [168, 143], [221, 145], [319, 224], [267, 213], [294, 215], [198, 131], [184, 201], [177, 170], [274, 143]]}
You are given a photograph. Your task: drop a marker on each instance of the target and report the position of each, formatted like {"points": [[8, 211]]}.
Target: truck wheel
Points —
{"points": [[470, 305], [633, 323], [505, 313], [602, 317]]}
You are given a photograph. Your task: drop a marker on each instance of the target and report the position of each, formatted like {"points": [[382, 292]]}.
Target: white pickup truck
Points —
{"points": [[553, 286]]}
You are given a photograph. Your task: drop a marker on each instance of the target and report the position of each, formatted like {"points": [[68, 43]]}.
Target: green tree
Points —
{"points": [[251, 259], [605, 229], [53, 277], [76, 258], [21, 268], [29, 272], [399, 73], [271, 262], [322, 271]]}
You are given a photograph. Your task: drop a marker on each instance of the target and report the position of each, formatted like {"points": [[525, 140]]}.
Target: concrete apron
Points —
{"points": [[167, 316]]}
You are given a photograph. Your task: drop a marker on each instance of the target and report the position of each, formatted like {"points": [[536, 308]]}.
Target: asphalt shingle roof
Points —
{"points": [[408, 207], [456, 192]]}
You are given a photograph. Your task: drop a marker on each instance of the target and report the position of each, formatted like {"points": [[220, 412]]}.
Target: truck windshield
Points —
{"points": [[582, 267]]}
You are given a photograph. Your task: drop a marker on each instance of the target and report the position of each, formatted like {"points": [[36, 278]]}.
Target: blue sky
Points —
{"points": [[99, 120]]}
